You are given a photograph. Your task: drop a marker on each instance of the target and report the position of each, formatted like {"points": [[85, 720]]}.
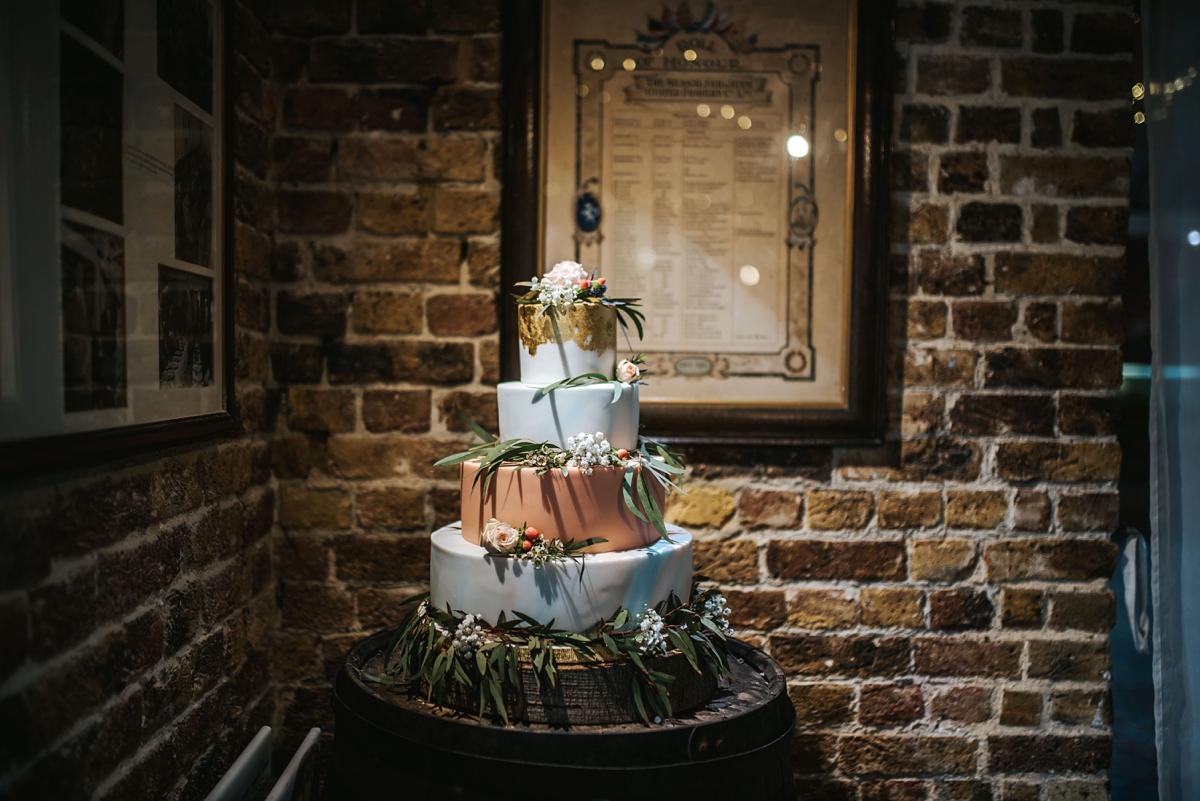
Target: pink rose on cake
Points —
{"points": [[566, 273], [628, 372], [501, 537]]}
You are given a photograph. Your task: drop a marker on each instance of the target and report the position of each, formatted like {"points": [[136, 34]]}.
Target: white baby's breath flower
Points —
{"points": [[716, 611], [650, 637], [500, 537], [468, 636], [628, 372], [590, 450], [552, 295]]}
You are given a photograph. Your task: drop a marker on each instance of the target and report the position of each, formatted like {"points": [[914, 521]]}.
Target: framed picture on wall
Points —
{"points": [[727, 164], [115, 329]]}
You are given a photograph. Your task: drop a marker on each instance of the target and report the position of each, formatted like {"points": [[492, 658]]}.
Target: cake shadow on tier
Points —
{"points": [[390, 743], [526, 411], [574, 595], [575, 506], [557, 344]]}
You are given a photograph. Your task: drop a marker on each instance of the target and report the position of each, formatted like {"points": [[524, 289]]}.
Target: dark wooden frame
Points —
{"points": [[863, 422], [59, 451]]}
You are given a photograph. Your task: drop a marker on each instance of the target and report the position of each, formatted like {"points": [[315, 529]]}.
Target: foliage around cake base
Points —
{"points": [[445, 651], [587, 693]]}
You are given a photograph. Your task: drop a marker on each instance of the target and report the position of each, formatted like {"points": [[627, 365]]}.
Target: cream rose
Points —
{"points": [[501, 537], [566, 273], [628, 372]]}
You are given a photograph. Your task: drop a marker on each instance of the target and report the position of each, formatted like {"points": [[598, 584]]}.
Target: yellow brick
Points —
{"points": [[903, 608], [703, 507]]}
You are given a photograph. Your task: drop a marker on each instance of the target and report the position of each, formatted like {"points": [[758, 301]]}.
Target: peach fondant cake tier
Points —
{"points": [[571, 507]]}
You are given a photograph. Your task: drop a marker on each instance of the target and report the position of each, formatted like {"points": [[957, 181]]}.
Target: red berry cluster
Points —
{"points": [[531, 535], [593, 286]]}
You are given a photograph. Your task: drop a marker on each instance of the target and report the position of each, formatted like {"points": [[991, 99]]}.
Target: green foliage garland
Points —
{"points": [[430, 645]]}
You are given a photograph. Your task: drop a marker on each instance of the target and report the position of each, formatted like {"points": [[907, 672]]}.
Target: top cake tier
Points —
{"points": [[557, 345]]}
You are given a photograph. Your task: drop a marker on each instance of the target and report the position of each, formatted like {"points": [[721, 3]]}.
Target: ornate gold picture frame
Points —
{"points": [[727, 165]]}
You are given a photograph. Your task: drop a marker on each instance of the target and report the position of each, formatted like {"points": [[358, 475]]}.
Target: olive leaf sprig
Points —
{"points": [[590, 379]]}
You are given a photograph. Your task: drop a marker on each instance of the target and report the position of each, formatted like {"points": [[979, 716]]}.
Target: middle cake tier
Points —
{"points": [[469, 579], [575, 506], [526, 412]]}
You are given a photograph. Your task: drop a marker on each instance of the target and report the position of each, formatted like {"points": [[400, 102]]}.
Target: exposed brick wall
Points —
{"points": [[137, 602], [384, 285], [941, 604]]}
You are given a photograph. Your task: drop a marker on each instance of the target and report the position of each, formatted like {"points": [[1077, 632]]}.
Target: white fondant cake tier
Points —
{"points": [[557, 361], [526, 413], [469, 579], [558, 345]]}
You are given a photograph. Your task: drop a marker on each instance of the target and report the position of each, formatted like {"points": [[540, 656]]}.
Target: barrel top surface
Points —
{"points": [[750, 711]]}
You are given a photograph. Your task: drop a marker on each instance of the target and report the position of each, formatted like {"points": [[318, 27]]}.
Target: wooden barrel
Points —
{"points": [[390, 744]]}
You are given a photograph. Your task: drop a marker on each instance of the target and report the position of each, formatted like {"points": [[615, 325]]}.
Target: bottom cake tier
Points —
{"points": [[576, 595]]}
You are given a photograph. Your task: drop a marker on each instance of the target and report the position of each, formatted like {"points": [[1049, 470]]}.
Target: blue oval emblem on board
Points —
{"points": [[587, 213], [693, 365]]}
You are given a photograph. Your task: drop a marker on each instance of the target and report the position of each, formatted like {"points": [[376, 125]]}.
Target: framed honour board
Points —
{"points": [[728, 165]]}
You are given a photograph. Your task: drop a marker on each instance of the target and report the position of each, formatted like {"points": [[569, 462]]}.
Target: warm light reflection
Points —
{"points": [[597, 63], [581, 90], [1139, 91], [690, 55], [748, 275], [727, 112], [703, 110], [1194, 238], [744, 123], [840, 135], [1138, 118], [797, 147], [629, 64]]}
